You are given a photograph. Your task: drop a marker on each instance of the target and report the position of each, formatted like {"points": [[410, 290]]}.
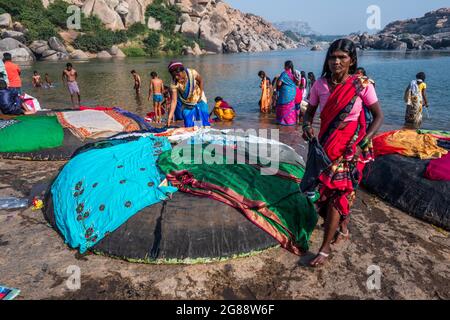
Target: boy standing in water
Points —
{"points": [[70, 75], [137, 81], [156, 87], [36, 80]]}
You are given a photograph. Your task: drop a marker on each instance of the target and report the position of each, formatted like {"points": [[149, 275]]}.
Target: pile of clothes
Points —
{"points": [[421, 144]]}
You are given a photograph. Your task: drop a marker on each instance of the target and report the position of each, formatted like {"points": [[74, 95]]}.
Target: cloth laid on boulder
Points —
{"points": [[440, 134], [98, 190], [96, 124], [439, 169], [6, 123], [399, 181], [244, 142], [139, 120], [31, 133], [273, 202], [408, 143]]}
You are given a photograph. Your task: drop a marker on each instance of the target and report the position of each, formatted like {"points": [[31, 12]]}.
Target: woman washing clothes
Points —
{"points": [[346, 138], [188, 96]]}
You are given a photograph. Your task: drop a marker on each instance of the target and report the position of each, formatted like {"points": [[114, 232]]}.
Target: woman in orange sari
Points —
{"points": [[345, 136], [266, 93]]}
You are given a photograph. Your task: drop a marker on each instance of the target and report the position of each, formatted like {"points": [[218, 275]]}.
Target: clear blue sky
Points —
{"points": [[334, 16]]}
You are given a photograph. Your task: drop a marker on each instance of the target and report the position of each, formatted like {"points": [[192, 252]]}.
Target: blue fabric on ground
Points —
{"points": [[444, 144], [99, 190]]}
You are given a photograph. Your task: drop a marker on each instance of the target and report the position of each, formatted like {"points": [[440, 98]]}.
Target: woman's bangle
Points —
{"points": [[307, 125], [364, 143]]}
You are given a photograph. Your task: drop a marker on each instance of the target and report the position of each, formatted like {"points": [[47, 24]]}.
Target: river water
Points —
{"points": [[234, 77]]}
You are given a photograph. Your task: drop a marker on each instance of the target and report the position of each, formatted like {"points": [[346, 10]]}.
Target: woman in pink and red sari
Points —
{"points": [[345, 135], [289, 97]]}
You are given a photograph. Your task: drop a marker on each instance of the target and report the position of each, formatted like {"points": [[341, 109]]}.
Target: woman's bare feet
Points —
{"points": [[340, 237], [320, 259]]}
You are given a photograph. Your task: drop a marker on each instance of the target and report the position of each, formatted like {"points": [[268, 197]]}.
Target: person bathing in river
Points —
{"points": [[137, 81], [48, 82], [156, 89], [311, 81], [70, 77], [265, 102], [36, 80], [188, 96], [415, 99], [346, 138], [222, 110], [289, 96]]}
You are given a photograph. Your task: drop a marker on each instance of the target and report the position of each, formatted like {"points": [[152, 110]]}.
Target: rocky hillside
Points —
{"points": [[144, 26], [429, 32]]}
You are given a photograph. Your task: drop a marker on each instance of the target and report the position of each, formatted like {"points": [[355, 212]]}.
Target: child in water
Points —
{"points": [[36, 80], [223, 111], [156, 88]]}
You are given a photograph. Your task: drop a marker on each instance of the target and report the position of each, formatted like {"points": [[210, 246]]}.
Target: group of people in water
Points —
{"points": [[184, 99]]}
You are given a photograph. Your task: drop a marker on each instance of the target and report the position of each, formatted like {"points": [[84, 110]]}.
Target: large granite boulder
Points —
{"points": [[104, 55], [190, 29], [19, 36], [79, 55], [108, 15], [20, 55], [5, 20], [53, 55], [56, 45], [39, 47]]}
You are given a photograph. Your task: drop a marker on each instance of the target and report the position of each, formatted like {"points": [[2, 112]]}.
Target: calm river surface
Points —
{"points": [[234, 77]]}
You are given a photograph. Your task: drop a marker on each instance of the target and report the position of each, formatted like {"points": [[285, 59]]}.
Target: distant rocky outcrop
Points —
{"points": [[299, 27], [429, 32], [219, 27]]}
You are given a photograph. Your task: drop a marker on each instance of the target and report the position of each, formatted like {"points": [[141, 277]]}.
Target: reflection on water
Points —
{"points": [[234, 77]]}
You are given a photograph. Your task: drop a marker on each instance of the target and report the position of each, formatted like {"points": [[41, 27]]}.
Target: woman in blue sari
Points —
{"points": [[289, 97], [188, 98]]}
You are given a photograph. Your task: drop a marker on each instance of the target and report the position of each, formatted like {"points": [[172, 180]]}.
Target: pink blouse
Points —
{"points": [[320, 92]]}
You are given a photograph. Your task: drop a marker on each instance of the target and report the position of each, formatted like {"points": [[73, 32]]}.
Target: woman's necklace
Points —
{"points": [[335, 83]]}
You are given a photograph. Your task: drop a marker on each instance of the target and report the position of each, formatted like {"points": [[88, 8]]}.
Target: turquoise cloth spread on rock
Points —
{"points": [[99, 190]]}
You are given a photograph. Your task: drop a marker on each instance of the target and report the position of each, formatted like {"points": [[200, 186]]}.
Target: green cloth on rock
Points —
{"points": [[31, 133], [273, 202], [434, 132]]}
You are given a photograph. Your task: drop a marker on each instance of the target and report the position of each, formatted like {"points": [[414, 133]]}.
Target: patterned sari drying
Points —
{"points": [[339, 140], [289, 95]]}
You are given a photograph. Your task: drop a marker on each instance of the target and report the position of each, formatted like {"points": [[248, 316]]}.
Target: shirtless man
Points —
{"points": [[156, 87], [36, 80], [70, 75], [137, 81]]}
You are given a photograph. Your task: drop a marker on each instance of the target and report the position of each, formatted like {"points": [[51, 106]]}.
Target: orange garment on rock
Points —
{"points": [[408, 143]]}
